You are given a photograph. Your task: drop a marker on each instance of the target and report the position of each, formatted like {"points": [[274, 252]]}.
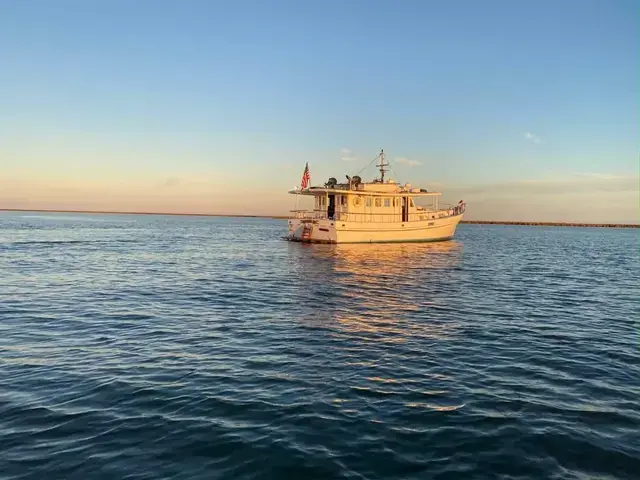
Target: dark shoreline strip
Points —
{"points": [[553, 224], [477, 222]]}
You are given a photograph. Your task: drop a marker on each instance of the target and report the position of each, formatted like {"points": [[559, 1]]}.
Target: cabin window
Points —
{"points": [[387, 202], [411, 202], [368, 202], [343, 199], [378, 202], [322, 201], [396, 201]]}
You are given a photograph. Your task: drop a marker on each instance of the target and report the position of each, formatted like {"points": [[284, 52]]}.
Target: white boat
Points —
{"points": [[379, 211]]}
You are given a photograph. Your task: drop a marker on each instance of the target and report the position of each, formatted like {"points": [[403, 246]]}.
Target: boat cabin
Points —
{"points": [[375, 202], [380, 201]]}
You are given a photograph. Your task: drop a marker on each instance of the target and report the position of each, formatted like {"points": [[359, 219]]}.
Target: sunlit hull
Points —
{"points": [[330, 231]]}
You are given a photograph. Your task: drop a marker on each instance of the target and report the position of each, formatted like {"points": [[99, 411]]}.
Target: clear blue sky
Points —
{"points": [[151, 104]]}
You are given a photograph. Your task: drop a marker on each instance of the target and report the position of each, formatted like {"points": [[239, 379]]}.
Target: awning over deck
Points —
{"points": [[313, 191]]}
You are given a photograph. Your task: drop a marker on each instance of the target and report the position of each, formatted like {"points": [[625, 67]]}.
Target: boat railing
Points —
{"points": [[371, 217], [307, 214]]}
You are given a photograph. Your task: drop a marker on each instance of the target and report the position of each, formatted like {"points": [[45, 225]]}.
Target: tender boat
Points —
{"points": [[367, 212]]}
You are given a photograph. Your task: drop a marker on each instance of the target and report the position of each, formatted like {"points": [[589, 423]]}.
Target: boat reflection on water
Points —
{"points": [[391, 258], [388, 292]]}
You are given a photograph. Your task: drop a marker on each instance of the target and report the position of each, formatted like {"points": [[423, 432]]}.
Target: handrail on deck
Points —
{"points": [[415, 216]]}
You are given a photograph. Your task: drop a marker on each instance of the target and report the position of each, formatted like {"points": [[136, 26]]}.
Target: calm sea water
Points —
{"points": [[186, 347]]}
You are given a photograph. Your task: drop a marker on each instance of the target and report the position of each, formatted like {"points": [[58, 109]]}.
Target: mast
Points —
{"points": [[382, 164]]}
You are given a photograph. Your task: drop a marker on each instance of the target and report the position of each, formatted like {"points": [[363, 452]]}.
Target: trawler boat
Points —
{"points": [[367, 212]]}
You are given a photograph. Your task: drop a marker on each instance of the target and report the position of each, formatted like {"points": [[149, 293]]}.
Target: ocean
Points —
{"points": [[146, 347]]}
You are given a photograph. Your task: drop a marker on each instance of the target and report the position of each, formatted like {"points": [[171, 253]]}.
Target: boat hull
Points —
{"points": [[329, 231]]}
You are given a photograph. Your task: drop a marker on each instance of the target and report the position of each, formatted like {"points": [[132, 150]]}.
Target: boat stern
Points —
{"points": [[311, 231]]}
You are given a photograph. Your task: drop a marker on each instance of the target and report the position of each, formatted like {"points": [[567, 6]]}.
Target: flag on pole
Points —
{"points": [[305, 177]]}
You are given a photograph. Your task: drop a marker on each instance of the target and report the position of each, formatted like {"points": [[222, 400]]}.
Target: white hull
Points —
{"points": [[330, 231]]}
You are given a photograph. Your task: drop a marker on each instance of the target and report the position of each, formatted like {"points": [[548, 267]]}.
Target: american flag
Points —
{"points": [[305, 177]]}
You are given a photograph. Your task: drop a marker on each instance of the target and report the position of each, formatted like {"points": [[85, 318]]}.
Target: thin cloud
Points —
{"points": [[172, 182], [578, 183], [347, 155], [599, 176], [532, 137], [406, 161]]}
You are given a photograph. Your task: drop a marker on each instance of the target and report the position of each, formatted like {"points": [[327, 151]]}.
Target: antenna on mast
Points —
{"points": [[382, 164]]}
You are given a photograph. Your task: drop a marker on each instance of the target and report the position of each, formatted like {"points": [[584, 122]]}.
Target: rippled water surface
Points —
{"points": [[190, 347]]}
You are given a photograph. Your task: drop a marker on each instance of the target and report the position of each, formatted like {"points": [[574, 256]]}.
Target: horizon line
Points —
{"points": [[283, 217]]}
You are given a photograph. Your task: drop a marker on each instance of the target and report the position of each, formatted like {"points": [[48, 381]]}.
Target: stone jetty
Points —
{"points": [[553, 224]]}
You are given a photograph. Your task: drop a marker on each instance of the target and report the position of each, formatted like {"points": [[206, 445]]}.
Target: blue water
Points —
{"points": [[190, 347]]}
